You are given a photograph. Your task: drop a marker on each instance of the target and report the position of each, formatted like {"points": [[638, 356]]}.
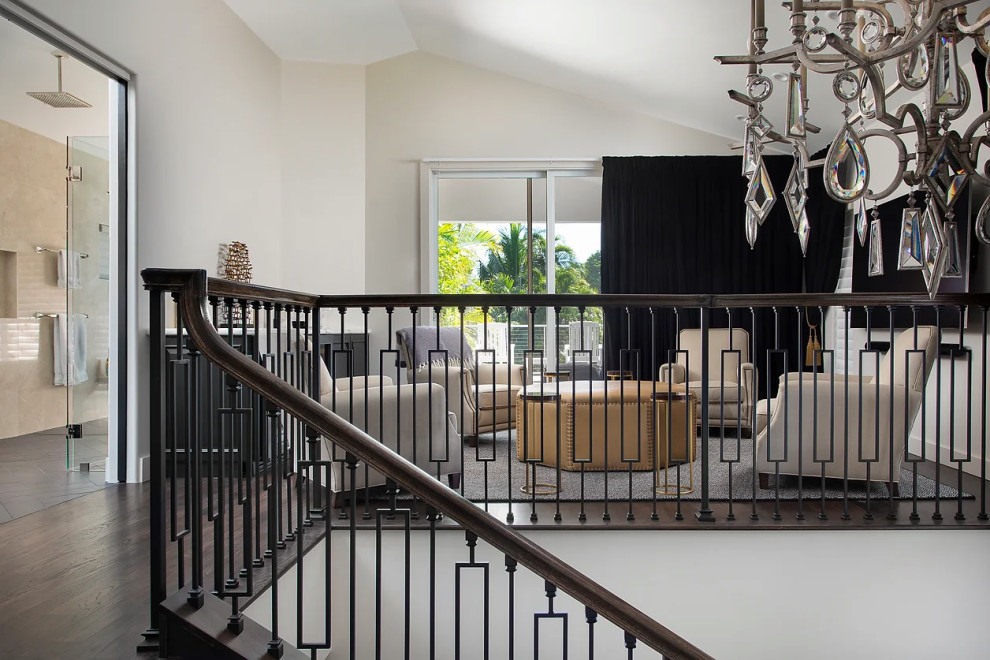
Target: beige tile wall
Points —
{"points": [[33, 212]]}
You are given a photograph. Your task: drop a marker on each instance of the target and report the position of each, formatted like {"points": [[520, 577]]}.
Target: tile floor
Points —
{"points": [[33, 474]]}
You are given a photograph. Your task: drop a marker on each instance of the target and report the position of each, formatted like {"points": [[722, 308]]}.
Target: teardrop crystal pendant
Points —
{"points": [[947, 88], [909, 250], [982, 227], [862, 222], [912, 68], [846, 148], [795, 106], [752, 228], [953, 260], [876, 249]]}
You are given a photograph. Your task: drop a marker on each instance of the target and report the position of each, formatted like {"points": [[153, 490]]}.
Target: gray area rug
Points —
{"points": [[501, 448]]}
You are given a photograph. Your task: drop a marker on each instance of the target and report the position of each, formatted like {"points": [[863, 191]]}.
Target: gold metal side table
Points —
{"points": [[536, 424], [677, 439]]}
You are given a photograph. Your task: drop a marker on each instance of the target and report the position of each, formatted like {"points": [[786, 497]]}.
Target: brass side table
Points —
{"points": [[675, 412], [615, 374], [536, 424]]}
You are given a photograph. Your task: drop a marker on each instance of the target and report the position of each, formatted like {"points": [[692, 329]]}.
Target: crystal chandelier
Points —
{"points": [[877, 49]]}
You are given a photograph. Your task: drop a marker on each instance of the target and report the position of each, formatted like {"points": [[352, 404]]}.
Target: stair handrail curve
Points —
{"points": [[192, 286]]}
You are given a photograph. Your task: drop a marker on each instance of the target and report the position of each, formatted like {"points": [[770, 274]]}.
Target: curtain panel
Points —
{"points": [[675, 225]]}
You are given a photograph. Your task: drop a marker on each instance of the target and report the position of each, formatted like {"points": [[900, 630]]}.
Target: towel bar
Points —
{"points": [[41, 315], [38, 248]]}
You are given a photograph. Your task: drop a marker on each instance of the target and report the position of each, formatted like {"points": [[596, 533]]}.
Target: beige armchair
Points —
{"points": [[393, 415], [485, 392], [731, 378], [802, 417]]}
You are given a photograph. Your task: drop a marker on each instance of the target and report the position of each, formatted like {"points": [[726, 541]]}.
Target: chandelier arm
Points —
{"points": [[972, 28], [973, 127], [818, 67], [902, 160], [983, 178], [876, 82], [910, 43]]}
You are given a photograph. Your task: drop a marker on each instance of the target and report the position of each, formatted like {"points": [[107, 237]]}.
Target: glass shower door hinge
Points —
{"points": [[74, 173], [74, 431]]}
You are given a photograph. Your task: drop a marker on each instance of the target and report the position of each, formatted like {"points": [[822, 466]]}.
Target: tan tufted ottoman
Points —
{"points": [[580, 409]]}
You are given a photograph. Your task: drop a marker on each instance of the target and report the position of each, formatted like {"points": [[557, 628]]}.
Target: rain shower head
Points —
{"points": [[60, 99]]}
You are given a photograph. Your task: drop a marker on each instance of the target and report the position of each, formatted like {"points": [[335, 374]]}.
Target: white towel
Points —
{"points": [[69, 269], [60, 332], [77, 361], [70, 349]]}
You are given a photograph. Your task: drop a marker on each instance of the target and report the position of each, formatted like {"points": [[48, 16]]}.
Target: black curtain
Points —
{"points": [[675, 224]]}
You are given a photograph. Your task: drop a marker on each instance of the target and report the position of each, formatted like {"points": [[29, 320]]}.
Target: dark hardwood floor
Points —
{"points": [[75, 578]]}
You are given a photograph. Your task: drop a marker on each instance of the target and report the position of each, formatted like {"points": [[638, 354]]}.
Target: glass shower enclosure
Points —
{"points": [[85, 271]]}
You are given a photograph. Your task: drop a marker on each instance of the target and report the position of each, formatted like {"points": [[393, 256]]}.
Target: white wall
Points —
{"points": [[736, 594], [323, 140], [207, 141], [425, 106]]}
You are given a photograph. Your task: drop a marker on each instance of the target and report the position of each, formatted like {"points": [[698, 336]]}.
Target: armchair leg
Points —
{"points": [[472, 440], [896, 488], [454, 480], [764, 481]]}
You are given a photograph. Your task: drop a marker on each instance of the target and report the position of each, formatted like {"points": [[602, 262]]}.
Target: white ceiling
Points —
{"points": [[652, 56]]}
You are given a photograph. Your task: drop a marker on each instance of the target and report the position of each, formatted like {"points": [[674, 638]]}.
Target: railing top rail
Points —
{"points": [[173, 280], [193, 302], [170, 279]]}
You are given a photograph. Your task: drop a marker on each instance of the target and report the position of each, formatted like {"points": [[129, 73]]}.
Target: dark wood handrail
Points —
{"points": [[192, 284], [173, 280]]}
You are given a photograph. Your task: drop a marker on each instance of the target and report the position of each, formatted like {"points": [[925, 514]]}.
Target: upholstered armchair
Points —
{"points": [[482, 395], [411, 420], [731, 376], [881, 412]]}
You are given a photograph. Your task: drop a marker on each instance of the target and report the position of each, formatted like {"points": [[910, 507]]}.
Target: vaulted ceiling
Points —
{"points": [[652, 56]]}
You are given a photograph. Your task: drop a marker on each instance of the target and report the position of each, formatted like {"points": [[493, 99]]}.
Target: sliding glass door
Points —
{"points": [[518, 230]]}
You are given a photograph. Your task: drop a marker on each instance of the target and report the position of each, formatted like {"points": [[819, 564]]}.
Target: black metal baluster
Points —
{"points": [[509, 516], [351, 462], [275, 645], [705, 513], [845, 432], [753, 515], [891, 515], [582, 514], [961, 352], [937, 515], [510, 569], [157, 587], [655, 441], [551, 592], [472, 542], [259, 434], [914, 515], [983, 421], [591, 617], [558, 456], [876, 426], [740, 378], [819, 359], [630, 644], [800, 412]]}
